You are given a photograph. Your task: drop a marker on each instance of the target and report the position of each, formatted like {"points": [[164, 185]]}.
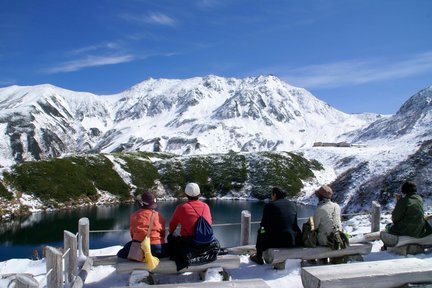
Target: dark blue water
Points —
{"points": [[18, 238]]}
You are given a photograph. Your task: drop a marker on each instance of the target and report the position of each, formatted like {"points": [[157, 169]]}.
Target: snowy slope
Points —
{"points": [[391, 150]]}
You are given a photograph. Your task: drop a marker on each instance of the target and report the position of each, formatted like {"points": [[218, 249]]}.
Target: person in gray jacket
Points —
{"points": [[327, 215]]}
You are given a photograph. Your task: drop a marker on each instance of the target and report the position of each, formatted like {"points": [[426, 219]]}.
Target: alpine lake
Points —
{"points": [[109, 225]]}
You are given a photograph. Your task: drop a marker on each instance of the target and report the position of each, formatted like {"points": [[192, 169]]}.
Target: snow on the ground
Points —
{"points": [[106, 276]]}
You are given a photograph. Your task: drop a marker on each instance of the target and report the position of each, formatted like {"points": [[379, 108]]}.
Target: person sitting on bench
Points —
{"points": [[278, 227], [139, 225], [408, 215], [184, 249], [327, 215]]}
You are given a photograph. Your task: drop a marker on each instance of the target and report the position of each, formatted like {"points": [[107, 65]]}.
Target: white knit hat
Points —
{"points": [[192, 190]]}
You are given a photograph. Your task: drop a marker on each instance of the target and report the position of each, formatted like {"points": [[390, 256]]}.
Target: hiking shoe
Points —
{"points": [[256, 259]]}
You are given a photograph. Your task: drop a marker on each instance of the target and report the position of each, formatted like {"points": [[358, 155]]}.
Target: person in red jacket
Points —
{"points": [[186, 214], [139, 225], [183, 250]]}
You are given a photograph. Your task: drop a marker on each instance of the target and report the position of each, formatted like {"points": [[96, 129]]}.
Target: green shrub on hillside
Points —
{"points": [[172, 175], [229, 173], [79, 177], [143, 172], [99, 170], [286, 170], [58, 179], [4, 193], [198, 169], [67, 178]]}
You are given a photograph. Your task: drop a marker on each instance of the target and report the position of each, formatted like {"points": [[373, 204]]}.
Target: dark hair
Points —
{"points": [[192, 198], [409, 187], [280, 194]]}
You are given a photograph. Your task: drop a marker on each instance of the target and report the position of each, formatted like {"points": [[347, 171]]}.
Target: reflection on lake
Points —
{"points": [[18, 238]]}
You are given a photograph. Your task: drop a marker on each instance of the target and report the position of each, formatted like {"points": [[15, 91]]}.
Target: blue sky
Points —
{"points": [[356, 55]]}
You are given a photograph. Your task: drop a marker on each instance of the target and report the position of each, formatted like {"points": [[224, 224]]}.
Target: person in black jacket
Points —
{"points": [[278, 227]]}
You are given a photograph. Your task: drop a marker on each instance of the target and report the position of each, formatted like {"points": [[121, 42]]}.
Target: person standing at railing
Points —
{"points": [[278, 226], [139, 225]]}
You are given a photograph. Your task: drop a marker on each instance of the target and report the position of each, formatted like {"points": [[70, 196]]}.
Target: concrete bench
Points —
{"points": [[165, 266], [405, 245], [375, 274], [247, 283], [278, 256]]}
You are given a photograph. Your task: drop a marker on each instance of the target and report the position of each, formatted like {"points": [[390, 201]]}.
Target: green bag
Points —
{"points": [[337, 240], [309, 234]]}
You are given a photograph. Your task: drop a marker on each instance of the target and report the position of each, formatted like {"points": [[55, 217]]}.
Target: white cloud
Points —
{"points": [[103, 46], [356, 72], [150, 18], [89, 61]]}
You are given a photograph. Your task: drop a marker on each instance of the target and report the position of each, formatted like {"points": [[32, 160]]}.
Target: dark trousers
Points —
{"points": [[158, 250], [261, 243]]}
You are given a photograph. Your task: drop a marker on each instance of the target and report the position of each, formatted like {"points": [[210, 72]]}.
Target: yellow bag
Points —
{"points": [[151, 261]]}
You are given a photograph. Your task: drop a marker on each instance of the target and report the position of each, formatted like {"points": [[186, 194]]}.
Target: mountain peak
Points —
{"points": [[196, 115]]}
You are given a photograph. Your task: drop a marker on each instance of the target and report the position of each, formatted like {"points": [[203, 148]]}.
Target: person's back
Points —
{"points": [[408, 214], [139, 224], [183, 248], [327, 215], [186, 216], [280, 223]]}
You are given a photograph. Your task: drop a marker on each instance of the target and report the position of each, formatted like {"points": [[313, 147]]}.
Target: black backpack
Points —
{"points": [[203, 230]]}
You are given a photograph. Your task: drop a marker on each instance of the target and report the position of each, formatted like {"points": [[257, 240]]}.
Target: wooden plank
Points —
{"points": [[25, 281], [71, 257], [168, 266], [242, 250], [104, 260], [245, 232], [84, 235], [113, 259], [82, 274], [247, 283], [405, 240], [278, 255], [407, 249], [368, 237], [54, 267], [375, 274]]}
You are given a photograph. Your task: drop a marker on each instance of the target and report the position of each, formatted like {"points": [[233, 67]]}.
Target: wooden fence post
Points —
{"points": [[375, 216], [54, 262], [71, 259], [26, 281], [245, 228], [83, 233]]}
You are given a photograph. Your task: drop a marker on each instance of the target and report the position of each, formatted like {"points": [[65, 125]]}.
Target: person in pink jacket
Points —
{"points": [[139, 225]]}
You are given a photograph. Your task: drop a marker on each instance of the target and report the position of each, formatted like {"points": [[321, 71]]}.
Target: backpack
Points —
{"points": [[337, 240], [309, 234], [203, 230]]}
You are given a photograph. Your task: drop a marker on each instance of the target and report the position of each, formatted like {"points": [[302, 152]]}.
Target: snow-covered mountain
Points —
{"points": [[192, 116], [212, 114], [390, 151]]}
